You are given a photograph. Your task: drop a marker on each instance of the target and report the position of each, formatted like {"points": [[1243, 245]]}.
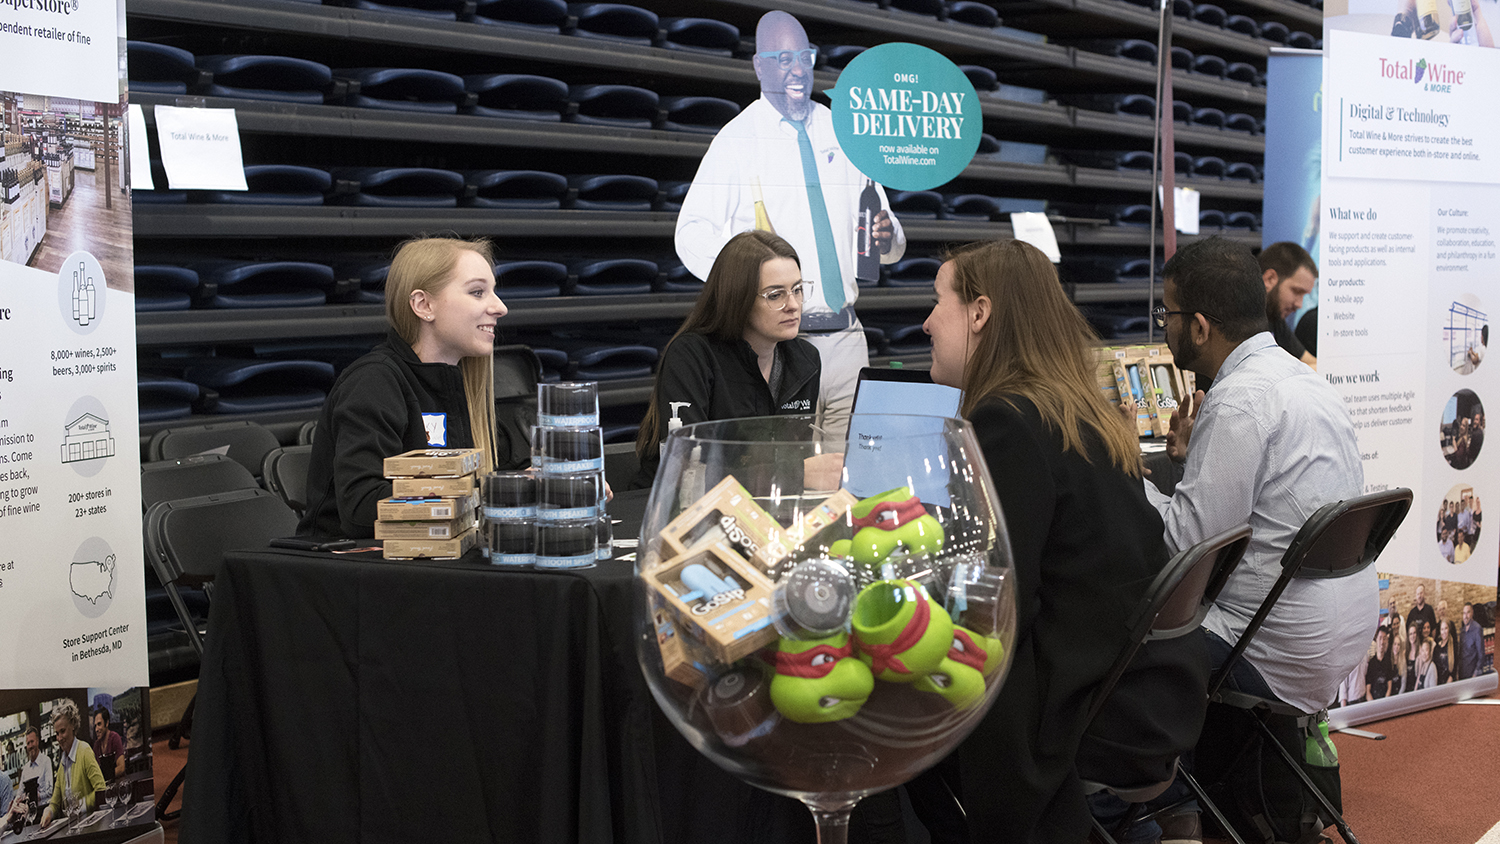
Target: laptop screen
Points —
{"points": [[876, 456]]}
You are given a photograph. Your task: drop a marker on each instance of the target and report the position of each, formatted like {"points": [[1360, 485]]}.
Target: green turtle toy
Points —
{"points": [[894, 518], [902, 634], [819, 680], [960, 675]]}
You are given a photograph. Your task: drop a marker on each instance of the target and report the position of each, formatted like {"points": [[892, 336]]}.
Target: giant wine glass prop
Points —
{"points": [[822, 625]]}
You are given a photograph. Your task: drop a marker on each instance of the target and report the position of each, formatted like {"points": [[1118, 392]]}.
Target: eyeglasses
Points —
{"points": [[784, 58], [778, 298], [1160, 312]]}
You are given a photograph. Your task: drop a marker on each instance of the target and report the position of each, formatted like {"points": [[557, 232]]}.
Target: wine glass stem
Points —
{"points": [[833, 825]]}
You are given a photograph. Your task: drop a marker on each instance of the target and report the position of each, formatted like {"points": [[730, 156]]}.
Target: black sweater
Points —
{"points": [[718, 380], [1086, 545], [374, 411]]}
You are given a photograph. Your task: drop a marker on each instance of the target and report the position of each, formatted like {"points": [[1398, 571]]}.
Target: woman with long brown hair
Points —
{"points": [[1085, 541], [430, 383], [737, 353]]}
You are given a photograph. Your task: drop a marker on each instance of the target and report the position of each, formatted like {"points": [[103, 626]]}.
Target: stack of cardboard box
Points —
{"points": [[431, 514]]}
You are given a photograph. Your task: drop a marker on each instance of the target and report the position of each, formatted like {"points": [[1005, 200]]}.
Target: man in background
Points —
{"points": [[1470, 645], [1289, 274], [778, 166], [1422, 611], [108, 744], [37, 768]]}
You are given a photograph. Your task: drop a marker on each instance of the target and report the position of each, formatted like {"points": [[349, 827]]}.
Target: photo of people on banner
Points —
{"points": [[778, 167], [1466, 330], [1419, 644], [75, 762], [1461, 432], [1459, 520]]}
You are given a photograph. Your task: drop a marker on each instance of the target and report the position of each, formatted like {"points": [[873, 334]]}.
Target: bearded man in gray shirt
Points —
{"points": [[1269, 445]]}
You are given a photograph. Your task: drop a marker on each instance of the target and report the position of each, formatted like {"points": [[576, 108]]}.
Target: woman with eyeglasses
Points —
{"points": [[737, 353]]}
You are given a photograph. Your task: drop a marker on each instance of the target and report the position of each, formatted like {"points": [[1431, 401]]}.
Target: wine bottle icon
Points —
{"points": [[83, 295]]}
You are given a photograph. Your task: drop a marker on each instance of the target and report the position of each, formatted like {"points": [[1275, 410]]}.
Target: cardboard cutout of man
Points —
{"points": [[778, 164]]}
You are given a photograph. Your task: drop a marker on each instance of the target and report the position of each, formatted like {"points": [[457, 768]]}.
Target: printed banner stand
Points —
{"points": [[1408, 217], [73, 674]]}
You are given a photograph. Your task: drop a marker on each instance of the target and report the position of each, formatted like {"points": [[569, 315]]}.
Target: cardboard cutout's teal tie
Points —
{"points": [[829, 273]]}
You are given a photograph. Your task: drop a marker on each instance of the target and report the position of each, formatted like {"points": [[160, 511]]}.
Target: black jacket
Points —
{"points": [[718, 380], [1086, 545], [374, 411]]}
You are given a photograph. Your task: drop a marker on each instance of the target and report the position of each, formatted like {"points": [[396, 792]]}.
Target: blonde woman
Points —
{"points": [[78, 778], [1445, 650], [429, 384]]}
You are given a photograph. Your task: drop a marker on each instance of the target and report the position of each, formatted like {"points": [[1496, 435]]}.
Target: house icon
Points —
{"points": [[87, 438]]}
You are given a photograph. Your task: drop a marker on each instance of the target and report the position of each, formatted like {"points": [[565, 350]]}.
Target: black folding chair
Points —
{"points": [[190, 477], [165, 480], [1174, 606], [186, 541], [517, 371], [1339, 540], [285, 473], [306, 432], [243, 442]]}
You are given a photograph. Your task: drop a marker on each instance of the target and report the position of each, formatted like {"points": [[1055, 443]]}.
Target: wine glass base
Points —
{"points": [[831, 814]]}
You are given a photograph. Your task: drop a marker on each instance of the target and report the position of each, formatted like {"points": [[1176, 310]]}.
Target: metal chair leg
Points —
{"points": [[1102, 833], [184, 728], [166, 797], [1307, 783], [1202, 794]]}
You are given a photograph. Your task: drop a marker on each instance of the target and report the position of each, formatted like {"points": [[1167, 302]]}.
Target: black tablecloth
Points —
{"points": [[346, 698]]}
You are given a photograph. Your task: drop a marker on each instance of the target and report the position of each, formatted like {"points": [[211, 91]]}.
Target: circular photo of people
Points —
{"points": [[1466, 333], [1458, 524], [1461, 433]]}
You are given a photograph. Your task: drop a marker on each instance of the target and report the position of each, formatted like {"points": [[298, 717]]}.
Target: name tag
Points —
{"points": [[437, 428]]}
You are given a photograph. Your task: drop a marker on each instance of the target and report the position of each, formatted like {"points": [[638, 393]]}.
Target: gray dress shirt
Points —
{"points": [[1271, 445]]}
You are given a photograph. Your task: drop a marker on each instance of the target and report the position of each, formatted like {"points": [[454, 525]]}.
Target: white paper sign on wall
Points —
{"points": [[1184, 207], [1034, 228], [200, 148]]}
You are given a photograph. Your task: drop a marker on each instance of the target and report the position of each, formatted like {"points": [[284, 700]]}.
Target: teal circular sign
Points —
{"points": [[906, 116]]}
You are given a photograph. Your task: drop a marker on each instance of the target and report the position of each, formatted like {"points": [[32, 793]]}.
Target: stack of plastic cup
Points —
{"points": [[567, 451], [510, 518]]}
